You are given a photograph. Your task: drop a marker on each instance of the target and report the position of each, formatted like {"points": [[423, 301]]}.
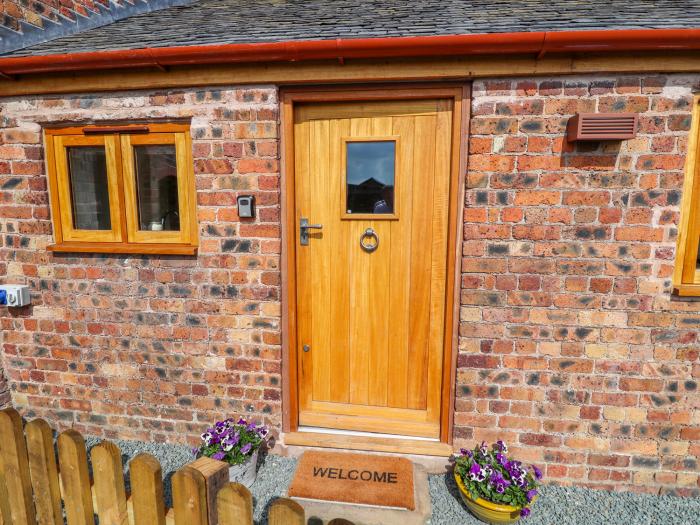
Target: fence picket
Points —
{"points": [[147, 490], [44, 473], [108, 479], [15, 466], [5, 512], [235, 505], [189, 497], [29, 477], [286, 512], [77, 494]]}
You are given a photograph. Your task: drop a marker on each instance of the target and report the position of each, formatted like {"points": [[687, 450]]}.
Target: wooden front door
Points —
{"points": [[371, 282]]}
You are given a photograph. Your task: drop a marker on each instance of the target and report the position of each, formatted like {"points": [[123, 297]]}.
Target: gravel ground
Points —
{"points": [[170, 457], [574, 506], [556, 505]]}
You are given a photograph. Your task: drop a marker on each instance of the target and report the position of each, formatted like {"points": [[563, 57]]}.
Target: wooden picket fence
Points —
{"points": [[35, 488]]}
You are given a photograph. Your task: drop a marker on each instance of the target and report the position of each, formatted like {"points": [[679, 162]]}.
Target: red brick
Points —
{"points": [[257, 166], [539, 162], [491, 162], [586, 198], [638, 233], [660, 162], [535, 198], [643, 385], [610, 215]]}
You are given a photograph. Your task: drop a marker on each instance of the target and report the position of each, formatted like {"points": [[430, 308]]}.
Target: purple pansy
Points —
{"points": [[537, 471], [232, 440], [499, 482], [524, 512], [530, 495], [476, 473], [514, 470]]}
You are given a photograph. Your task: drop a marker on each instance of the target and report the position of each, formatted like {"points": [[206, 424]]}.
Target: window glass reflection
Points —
{"points": [[370, 173], [87, 172], [156, 183]]}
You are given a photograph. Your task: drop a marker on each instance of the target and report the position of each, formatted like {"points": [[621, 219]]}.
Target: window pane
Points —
{"points": [[370, 176], [87, 171], [156, 185]]}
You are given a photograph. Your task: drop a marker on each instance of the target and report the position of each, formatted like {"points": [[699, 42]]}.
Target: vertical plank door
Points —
{"points": [[371, 324]]}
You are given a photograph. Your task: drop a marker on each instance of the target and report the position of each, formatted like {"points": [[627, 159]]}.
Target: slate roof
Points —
{"points": [[248, 21], [57, 21]]}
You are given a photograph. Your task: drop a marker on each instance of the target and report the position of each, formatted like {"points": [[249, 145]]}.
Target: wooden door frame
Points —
{"points": [[460, 93]]}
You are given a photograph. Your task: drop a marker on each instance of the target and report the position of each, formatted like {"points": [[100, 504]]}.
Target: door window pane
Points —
{"points": [[370, 176], [87, 171], [156, 186]]}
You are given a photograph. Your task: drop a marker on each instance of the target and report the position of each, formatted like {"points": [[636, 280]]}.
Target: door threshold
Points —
{"points": [[338, 432], [315, 437]]}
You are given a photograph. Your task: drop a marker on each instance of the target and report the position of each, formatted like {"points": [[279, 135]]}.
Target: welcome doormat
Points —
{"points": [[383, 481]]}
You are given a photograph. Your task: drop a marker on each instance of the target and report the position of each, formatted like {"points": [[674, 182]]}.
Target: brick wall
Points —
{"points": [[4, 391], [147, 347], [571, 346]]}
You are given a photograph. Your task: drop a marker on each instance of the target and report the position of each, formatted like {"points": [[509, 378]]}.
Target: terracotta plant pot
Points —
{"points": [[246, 472], [488, 512]]}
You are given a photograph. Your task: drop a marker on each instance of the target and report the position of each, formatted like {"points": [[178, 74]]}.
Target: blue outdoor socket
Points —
{"points": [[3, 298]]}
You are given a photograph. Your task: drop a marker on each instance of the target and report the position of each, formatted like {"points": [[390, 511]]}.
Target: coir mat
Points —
{"points": [[361, 479]]}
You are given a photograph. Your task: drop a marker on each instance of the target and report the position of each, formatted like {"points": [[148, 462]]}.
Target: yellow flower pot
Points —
{"points": [[488, 512]]}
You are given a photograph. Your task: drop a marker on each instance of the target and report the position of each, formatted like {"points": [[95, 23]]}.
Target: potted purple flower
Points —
{"points": [[495, 489], [237, 443]]}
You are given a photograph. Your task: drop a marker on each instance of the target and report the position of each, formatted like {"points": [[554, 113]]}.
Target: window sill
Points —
{"points": [[126, 248], [687, 290]]}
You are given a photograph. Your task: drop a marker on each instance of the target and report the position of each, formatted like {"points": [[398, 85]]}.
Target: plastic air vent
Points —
{"points": [[602, 126]]}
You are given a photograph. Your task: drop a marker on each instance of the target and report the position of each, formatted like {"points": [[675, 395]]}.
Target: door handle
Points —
{"points": [[304, 228]]}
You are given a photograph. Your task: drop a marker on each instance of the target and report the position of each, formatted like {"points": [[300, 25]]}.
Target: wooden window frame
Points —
{"points": [[65, 197], [686, 276], [125, 236]]}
